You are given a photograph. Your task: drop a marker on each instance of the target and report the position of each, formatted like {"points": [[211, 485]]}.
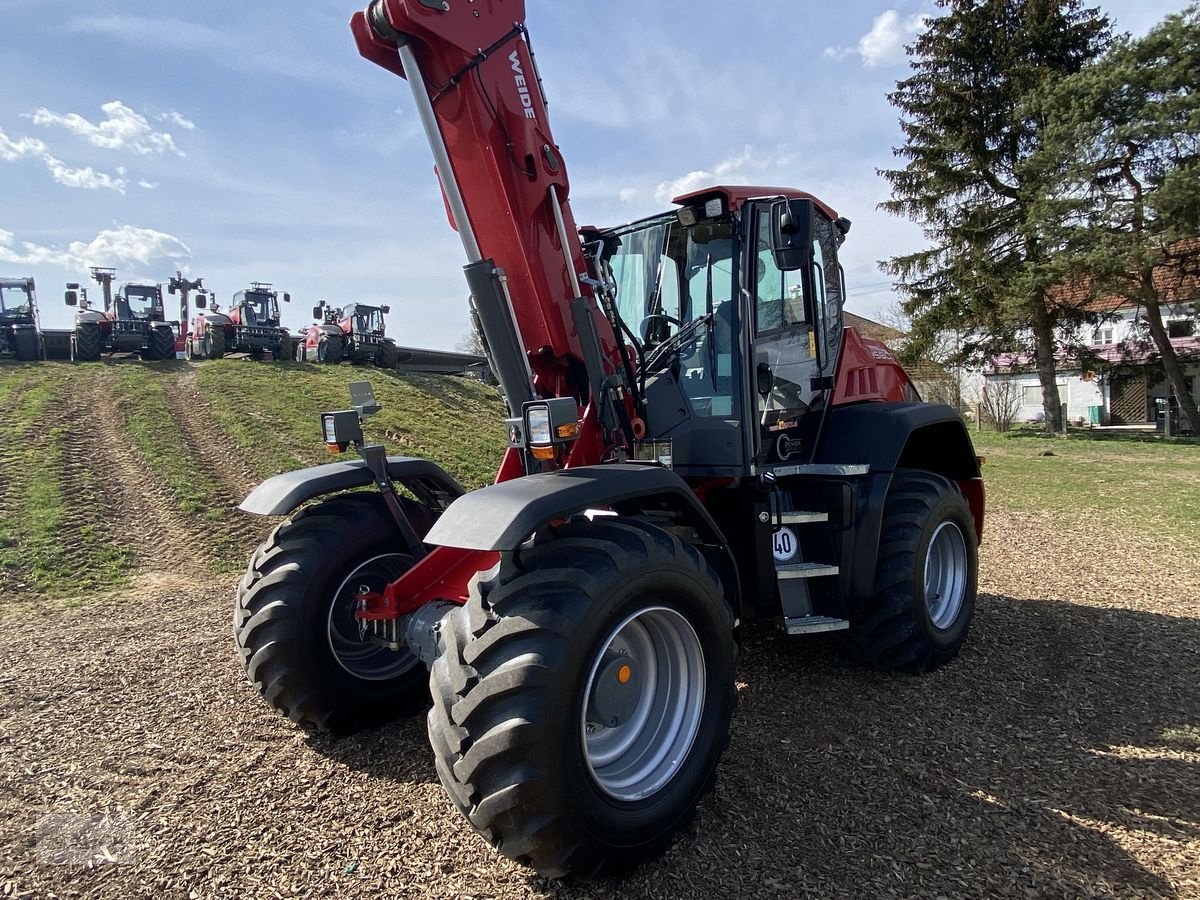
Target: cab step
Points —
{"points": [[814, 624], [802, 517], [805, 570]]}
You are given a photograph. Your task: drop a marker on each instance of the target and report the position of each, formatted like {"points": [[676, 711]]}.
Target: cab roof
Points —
{"points": [[735, 195]]}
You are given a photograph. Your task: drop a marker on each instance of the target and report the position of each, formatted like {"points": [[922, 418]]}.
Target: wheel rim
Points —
{"points": [[945, 575], [641, 754], [359, 656]]}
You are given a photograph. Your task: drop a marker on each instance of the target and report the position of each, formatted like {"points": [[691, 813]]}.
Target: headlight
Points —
{"points": [[538, 432]]}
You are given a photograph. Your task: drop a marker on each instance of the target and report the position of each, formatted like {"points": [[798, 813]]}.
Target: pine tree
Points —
{"points": [[1122, 156], [967, 178]]}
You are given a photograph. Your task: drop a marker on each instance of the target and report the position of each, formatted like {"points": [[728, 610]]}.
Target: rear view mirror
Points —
{"points": [[791, 233], [171, 288], [72, 298], [385, 309], [287, 298], [201, 301], [317, 312]]}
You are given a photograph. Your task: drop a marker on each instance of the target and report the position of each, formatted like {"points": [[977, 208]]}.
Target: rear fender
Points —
{"points": [[500, 518], [282, 494]]}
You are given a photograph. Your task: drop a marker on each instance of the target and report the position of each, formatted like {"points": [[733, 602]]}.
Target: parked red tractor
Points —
{"points": [[20, 332], [133, 321], [250, 326], [356, 332], [695, 440]]}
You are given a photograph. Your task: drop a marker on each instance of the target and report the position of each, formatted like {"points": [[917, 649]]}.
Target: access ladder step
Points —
{"points": [[801, 517], [805, 570], [815, 624]]}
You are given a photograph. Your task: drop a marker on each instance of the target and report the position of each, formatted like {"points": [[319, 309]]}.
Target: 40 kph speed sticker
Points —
{"points": [[784, 544]]}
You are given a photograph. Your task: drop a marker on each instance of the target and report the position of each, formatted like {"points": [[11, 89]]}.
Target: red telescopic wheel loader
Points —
{"points": [[356, 332], [695, 440], [132, 322], [251, 326]]}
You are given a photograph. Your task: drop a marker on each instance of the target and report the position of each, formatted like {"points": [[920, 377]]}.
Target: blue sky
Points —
{"points": [[249, 142]]}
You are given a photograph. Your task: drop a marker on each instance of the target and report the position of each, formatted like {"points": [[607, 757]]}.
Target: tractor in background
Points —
{"points": [[20, 332], [250, 326], [183, 288], [132, 321], [356, 333]]}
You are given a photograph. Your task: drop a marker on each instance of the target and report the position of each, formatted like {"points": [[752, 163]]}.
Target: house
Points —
{"points": [[1113, 364]]}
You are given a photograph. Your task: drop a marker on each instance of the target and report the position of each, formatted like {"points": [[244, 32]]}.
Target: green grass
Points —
{"points": [[39, 549], [1141, 484], [272, 413]]}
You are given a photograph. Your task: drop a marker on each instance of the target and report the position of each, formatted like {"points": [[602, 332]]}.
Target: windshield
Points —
{"points": [[14, 300], [676, 283], [141, 300], [368, 319], [260, 307], [661, 269]]}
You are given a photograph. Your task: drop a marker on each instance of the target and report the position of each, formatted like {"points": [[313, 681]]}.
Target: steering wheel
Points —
{"points": [[644, 326]]}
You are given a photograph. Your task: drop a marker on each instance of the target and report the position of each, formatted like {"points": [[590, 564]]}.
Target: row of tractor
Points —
{"points": [[131, 320]]}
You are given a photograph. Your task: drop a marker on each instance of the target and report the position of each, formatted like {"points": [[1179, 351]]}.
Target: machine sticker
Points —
{"points": [[784, 545]]}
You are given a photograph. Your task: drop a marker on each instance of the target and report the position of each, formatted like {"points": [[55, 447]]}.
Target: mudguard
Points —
{"points": [[281, 494], [887, 436], [502, 517]]}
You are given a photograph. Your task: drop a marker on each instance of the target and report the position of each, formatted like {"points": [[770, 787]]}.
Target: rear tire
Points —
{"points": [[25, 344], [294, 625], [329, 349], [214, 342], [86, 343], [526, 667], [387, 357], [918, 617], [161, 345]]}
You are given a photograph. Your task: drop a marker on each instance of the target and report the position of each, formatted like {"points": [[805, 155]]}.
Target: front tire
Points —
{"points": [[25, 344], [387, 356], [926, 575], [610, 622], [294, 622], [161, 344], [330, 348], [214, 342], [86, 342]]}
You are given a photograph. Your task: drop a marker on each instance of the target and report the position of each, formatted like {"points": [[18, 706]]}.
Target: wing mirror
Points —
{"points": [[385, 309], [318, 312], [791, 233], [201, 301], [287, 298], [72, 297]]}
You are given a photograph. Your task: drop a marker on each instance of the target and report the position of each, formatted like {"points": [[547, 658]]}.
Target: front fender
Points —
{"points": [[501, 517], [284, 493]]}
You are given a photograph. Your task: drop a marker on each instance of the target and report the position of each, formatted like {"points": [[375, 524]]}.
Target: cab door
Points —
{"points": [[797, 330]]}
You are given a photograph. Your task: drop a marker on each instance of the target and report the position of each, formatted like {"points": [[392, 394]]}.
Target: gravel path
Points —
{"points": [[1059, 756]]}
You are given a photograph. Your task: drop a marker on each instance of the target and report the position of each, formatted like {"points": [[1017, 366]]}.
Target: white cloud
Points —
{"points": [[884, 44], [123, 245], [741, 168], [177, 118], [148, 185], [87, 178], [12, 150], [121, 129]]}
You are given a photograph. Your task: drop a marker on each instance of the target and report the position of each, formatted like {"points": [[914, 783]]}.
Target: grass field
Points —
{"points": [[1142, 484]]}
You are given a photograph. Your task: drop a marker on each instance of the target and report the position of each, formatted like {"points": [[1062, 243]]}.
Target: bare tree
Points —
{"points": [[470, 342], [1000, 402]]}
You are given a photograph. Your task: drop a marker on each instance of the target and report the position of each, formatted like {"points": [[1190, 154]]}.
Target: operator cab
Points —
{"points": [[16, 300], [367, 319], [734, 305], [259, 307], [139, 301]]}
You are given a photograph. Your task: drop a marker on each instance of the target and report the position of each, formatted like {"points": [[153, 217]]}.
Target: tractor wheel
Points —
{"points": [[85, 346], [387, 357], [925, 578], [583, 697], [301, 354], [294, 623], [162, 344], [214, 342], [25, 344], [329, 349]]}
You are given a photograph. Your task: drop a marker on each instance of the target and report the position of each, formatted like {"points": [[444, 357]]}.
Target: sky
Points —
{"points": [[244, 142]]}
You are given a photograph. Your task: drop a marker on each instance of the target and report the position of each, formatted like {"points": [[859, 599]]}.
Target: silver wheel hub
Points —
{"points": [[945, 575], [354, 649], [644, 703]]}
